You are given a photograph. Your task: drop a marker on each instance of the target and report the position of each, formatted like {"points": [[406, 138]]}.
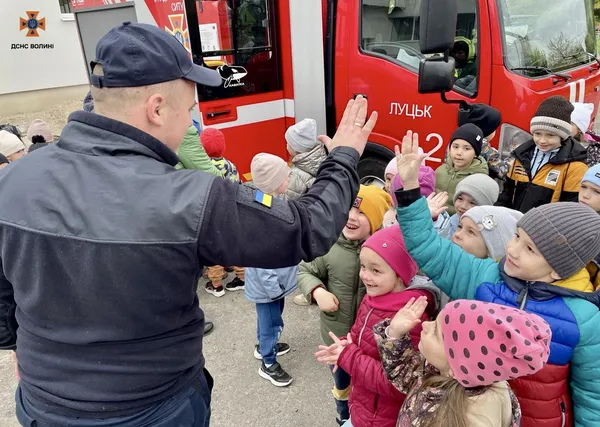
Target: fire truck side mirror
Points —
{"points": [[437, 28], [436, 74]]}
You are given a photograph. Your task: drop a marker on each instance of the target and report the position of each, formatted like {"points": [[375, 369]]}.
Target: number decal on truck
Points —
{"points": [[440, 141]]}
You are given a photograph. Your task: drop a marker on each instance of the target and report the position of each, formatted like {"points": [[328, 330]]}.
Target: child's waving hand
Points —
{"points": [[331, 354], [409, 160], [407, 318]]}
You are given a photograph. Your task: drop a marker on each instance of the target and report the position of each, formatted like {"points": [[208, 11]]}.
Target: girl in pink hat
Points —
{"points": [[459, 377], [387, 272]]}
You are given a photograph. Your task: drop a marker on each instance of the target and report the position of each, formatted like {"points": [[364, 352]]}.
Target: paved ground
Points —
{"points": [[240, 396]]}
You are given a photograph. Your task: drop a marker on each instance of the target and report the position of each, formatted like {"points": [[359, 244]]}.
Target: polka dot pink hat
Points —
{"points": [[486, 343]]}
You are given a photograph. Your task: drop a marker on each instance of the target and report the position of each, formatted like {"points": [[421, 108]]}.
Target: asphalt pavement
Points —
{"points": [[240, 397]]}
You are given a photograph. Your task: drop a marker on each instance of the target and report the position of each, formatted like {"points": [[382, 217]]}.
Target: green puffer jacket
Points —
{"points": [[447, 178], [338, 273], [192, 155]]}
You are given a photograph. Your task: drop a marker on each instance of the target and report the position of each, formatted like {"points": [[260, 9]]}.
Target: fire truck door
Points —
{"points": [[239, 38]]}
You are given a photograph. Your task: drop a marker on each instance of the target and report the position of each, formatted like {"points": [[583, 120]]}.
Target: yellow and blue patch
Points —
{"points": [[263, 199]]}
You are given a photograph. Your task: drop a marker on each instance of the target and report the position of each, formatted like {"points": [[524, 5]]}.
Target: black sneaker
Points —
{"points": [[235, 285], [218, 292], [275, 374], [282, 348], [208, 328]]}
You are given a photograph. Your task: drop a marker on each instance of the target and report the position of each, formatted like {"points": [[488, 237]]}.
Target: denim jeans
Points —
{"points": [[341, 391], [188, 408], [268, 329]]}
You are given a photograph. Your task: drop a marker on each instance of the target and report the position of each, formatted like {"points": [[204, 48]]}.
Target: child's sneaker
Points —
{"points": [[301, 300], [216, 291], [275, 374], [282, 348], [235, 285]]}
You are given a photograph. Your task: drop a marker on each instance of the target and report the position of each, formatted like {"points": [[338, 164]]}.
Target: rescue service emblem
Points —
{"points": [[32, 24]]}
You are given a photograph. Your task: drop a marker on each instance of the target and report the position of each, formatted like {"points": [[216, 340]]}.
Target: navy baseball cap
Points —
{"points": [[141, 55]]}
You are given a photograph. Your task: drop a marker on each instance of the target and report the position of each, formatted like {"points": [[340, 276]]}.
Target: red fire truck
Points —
{"points": [[284, 60]]}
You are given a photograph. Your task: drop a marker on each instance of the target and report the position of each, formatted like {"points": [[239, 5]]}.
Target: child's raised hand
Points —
{"points": [[407, 317], [331, 354], [437, 203], [409, 160]]}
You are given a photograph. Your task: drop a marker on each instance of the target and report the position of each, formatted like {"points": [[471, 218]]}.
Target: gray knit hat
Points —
{"points": [[483, 189], [566, 233], [497, 225], [554, 116]]}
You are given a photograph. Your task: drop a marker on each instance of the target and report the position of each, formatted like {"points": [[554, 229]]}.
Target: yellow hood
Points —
{"points": [[577, 282]]}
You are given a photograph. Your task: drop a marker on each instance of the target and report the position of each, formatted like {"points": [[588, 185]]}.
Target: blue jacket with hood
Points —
{"points": [[569, 306]]}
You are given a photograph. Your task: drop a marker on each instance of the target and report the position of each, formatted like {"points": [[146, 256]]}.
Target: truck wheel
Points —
{"points": [[371, 171]]}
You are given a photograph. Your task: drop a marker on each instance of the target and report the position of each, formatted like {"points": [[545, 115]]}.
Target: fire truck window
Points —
{"points": [[238, 38], [390, 28]]}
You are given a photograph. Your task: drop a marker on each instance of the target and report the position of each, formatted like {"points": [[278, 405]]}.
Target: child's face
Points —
{"points": [[357, 227], [469, 238], [574, 129], [379, 278], [283, 187], [291, 151], [589, 194], [16, 156], [431, 345], [388, 182], [546, 141], [525, 262], [461, 153], [463, 203]]}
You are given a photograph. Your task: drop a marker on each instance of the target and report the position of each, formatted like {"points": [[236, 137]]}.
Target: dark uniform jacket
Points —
{"points": [[99, 266]]}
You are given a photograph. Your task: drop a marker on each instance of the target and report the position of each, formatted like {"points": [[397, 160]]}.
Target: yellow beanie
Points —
{"points": [[374, 203]]}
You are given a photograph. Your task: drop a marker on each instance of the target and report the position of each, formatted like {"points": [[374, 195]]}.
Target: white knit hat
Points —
{"points": [[268, 172], [582, 115], [302, 137], [497, 225], [10, 143]]}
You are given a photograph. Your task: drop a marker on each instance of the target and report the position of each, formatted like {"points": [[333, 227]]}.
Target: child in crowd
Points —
{"points": [[269, 287], [458, 378], [589, 195], [463, 160], [307, 155], [549, 167], [581, 118], [11, 146], [391, 170], [387, 271], [544, 272], [213, 142], [474, 190], [333, 281], [488, 119], [426, 181], [39, 134]]}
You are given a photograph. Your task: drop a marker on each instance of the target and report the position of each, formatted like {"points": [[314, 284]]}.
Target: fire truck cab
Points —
{"points": [[285, 60]]}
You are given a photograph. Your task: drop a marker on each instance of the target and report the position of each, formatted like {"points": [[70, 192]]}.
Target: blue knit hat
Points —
{"points": [[592, 175]]}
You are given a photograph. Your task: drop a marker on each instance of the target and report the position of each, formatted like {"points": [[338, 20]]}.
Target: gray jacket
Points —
{"points": [[304, 170], [264, 285], [99, 266]]}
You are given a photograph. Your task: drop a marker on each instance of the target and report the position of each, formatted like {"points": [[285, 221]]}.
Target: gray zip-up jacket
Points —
{"points": [[304, 170], [99, 266]]}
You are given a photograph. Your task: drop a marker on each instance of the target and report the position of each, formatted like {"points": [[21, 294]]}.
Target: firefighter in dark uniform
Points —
{"points": [[99, 266]]}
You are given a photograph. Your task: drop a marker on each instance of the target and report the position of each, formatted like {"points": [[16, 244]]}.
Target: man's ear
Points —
{"points": [[155, 109], [555, 276]]}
